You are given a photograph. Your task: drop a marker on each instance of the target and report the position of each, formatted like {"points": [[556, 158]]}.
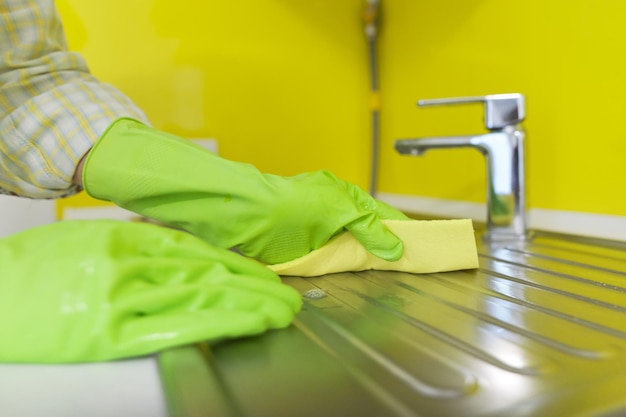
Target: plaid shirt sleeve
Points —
{"points": [[52, 110]]}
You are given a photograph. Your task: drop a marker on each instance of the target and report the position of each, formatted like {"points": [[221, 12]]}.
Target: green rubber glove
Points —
{"points": [[230, 204], [80, 291]]}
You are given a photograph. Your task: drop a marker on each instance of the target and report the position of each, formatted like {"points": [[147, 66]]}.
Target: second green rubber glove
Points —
{"points": [[230, 204], [79, 291]]}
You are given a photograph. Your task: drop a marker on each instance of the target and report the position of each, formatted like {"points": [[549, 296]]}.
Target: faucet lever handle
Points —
{"points": [[501, 110]]}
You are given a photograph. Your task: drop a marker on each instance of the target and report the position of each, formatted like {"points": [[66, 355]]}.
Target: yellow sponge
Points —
{"points": [[429, 246]]}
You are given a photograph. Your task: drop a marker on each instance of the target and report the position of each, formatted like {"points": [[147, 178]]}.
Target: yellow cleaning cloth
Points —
{"points": [[429, 246]]}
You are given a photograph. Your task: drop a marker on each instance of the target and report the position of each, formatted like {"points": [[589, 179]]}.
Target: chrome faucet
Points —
{"points": [[503, 148]]}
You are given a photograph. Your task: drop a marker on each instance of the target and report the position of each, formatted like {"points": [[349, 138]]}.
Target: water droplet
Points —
{"points": [[314, 294]]}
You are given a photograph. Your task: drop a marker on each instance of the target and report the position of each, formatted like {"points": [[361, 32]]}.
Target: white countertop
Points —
{"points": [[129, 388]]}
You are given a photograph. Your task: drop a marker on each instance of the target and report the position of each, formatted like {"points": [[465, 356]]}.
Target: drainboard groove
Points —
{"points": [[553, 273], [530, 369], [490, 292], [574, 351], [568, 262], [453, 341], [415, 384], [366, 381], [326, 321], [579, 252], [577, 297]]}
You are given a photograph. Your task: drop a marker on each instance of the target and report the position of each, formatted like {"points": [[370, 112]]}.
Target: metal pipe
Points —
{"points": [[370, 20]]}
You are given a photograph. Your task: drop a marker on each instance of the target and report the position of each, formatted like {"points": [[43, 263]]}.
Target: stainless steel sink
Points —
{"points": [[538, 330]]}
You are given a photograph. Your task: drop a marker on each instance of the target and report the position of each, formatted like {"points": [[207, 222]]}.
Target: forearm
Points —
{"points": [[52, 110], [77, 179]]}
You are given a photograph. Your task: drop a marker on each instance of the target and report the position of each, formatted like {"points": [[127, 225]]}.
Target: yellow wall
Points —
{"points": [[568, 58], [283, 84]]}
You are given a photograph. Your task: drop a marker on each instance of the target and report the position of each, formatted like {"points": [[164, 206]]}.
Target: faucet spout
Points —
{"points": [[504, 153], [417, 147]]}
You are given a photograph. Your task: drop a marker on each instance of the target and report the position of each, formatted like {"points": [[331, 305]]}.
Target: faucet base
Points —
{"points": [[506, 238]]}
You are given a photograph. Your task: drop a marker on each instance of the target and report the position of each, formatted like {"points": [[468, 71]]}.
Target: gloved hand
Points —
{"points": [[229, 204], [79, 291]]}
